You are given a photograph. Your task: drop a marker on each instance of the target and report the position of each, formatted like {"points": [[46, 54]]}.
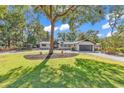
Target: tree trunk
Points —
{"points": [[51, 39], [8, 43]]}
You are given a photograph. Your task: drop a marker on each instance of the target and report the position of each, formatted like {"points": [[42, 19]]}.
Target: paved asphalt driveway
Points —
{"points": [[116, 58], [112, 57]]}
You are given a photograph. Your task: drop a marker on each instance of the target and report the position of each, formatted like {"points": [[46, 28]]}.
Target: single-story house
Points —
{"points": [[79, 45], [65, 45], [44, 45]]}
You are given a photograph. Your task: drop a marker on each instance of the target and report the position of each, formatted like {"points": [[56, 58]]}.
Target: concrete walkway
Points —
{"points": [[112, 57]]}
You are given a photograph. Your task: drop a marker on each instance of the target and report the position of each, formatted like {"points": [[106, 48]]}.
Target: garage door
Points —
{"points": [[85, 47]]}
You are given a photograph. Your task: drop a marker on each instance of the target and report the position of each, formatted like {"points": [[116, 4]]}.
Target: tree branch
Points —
{"points": [[71, 8], [44, 10], [51, 12]]}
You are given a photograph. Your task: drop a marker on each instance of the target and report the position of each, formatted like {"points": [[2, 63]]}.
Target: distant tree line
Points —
{"points": [[90, 35], [16, 31], [115, 43]]}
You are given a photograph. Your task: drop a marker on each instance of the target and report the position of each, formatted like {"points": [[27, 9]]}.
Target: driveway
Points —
{"points": [[112, 57]]}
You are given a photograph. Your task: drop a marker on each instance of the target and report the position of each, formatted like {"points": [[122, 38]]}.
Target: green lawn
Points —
{"points": [[82, 70]]}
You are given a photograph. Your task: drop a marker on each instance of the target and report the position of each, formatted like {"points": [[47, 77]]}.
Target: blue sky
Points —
{"points": [[101, 26]]}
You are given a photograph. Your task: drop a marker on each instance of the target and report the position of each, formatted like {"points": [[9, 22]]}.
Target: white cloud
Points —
{"points": [[48, 28], [107, 16], [122, 17], [109, 34], [114, 31], [99, 35], [64, 27], [106, 26]]}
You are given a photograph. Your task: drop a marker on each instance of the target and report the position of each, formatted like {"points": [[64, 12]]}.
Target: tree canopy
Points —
{"points": [[115, 17], [74, 15], [14, 29]]}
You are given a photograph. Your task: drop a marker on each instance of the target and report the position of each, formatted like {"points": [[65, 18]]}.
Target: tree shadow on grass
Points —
{"points": [[11, 72], [91, 73], [85, 73], [31, 78]]}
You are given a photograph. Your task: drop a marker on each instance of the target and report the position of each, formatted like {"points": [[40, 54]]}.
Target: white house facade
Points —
{"points": [[78, 46], [44, 45]]}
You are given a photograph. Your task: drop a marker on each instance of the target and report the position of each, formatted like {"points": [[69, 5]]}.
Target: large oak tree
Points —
{"points": [[73, 15]]}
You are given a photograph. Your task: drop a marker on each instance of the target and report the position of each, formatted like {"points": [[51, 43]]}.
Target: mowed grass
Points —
{"points": [[82, 70]]}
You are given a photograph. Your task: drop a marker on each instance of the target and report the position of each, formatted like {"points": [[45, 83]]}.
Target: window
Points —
{"points": [[43, 44], [65, 45], [69, 45]]}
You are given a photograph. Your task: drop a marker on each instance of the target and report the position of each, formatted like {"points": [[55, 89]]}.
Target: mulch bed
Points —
{"points": [[46, 56]]}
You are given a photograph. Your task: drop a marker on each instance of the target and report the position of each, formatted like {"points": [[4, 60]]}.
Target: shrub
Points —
{"points": [[62, 52], [110, 50], [41, 53], [73, 48], [121, 50]]}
